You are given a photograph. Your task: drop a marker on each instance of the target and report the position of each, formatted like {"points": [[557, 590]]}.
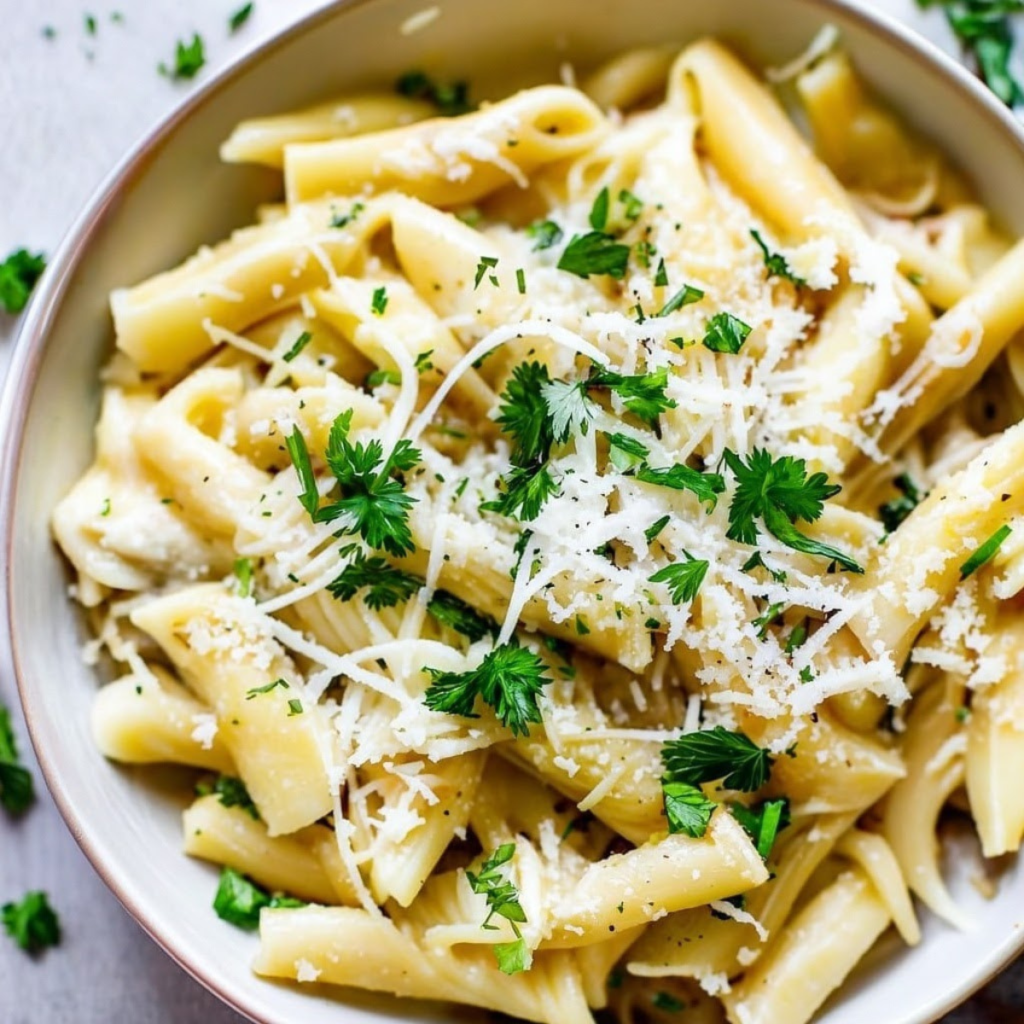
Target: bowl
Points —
{"points": [[172, 194]]}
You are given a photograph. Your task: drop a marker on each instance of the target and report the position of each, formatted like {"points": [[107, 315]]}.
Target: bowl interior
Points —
{"points": [[174, 194]]}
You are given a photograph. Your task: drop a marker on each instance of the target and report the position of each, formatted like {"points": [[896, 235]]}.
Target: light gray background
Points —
{"points": [[69, 109]]}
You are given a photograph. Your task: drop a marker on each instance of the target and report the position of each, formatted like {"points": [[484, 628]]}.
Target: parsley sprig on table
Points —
{"points": [[18, 276], [372, 499], [502, 901], [779, 492], [509, 679], [189, 58], [16, 790], [32, 924]]}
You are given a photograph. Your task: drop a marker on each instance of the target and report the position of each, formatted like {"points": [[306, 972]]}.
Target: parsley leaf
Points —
{"points": [[700, 757], [524, 414], [231, 792], [379, 301], [775, 263], [570, 408], [18, 276], [239, 900], [525, 489], [986, 552], [509, 679], [626, 453], [486, 264], [374, 502], [895, 511], [595, 253], [240, 17], [706, 486], [683, 579], [599, 211], [642, 394], [454, 613], [385, 585], [243, 576], [189, 58], [780, 492], [450, 98], [545, 234], [16, 789], [763, 822], [686, 296], [503, 901], [32, 923], [342, 220], [652, 531], [258, 691], [687, 809], [726, 333]]}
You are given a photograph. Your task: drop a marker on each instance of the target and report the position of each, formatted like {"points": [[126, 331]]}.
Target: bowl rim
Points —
{"points": [[29, 348]]}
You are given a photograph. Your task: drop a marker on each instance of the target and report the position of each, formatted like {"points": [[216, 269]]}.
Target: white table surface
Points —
{"points": [[69, 109]]}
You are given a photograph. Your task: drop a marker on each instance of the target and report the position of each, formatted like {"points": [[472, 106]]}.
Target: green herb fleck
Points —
{"points": [[985, 553], [32, 923], [18, 276]]}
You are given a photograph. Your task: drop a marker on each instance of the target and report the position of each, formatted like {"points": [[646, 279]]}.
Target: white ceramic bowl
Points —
{"points": [[172, 194]]}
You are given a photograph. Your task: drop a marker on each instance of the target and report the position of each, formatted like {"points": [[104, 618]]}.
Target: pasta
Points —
{"points": [[574, 541]]}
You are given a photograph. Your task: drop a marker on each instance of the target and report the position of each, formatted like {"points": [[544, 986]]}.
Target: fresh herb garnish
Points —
{"points": [[503, 901], [16, 789], [642, 394], [385, 585], [375, 378], [775, 263], [895, 511], [18, 276], [240, 17], [654, 530], [686, 296], [258, 691], [599, 211], [985, 553], [379, 301], [294, 707], [189, 57], [779, 492], [706, 486], [725, 333], [485, 269], [763, 822], [342, 220], [454, 613], [595, 253], [231, 792], [668, 1002], [700, 757], [373, 501], [626, 453], [297, 346], [524, 492], [687, 809], [32, 923], [509, 679], [450, 98], [770, 615], [545, 234], [683, 579], [243, 576], [239, 900], [521, 281]]}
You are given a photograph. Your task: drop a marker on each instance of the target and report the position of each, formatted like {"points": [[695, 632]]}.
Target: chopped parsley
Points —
{"points": [[379, 301], [599, 211], [239, 900], [509, 679], [686, 807], [18, 276], [485, 269], [986, 552], [258, 691], [189, 57], [373, 502], [895, 511], [779, 492], [668, 1002], [763, 822], [454, 613], [983, 27], [503, 901], [683, 579], [545, 234], [375, 378], [90, 24], [595, 253], [32, 923], [654, 530], [240, 17], [450, 98], [294, 707], [717, 754], [706, 486], [764, 620], [725, 333], [16, 789], [297, 346], [385, 585], [641, 394], [626, 453], [243, 576], [524, 492], [521, 281], [775, 264], [231, 792], [342, 220], [686, 296]]}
